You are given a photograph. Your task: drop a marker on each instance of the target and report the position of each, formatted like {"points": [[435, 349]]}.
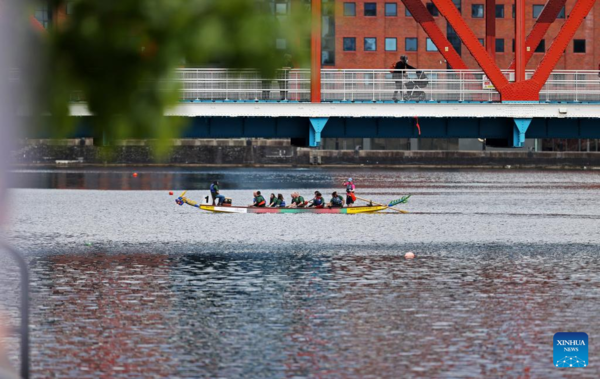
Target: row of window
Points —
{"points": [[391, 44], [412, 44], [477, 10]]}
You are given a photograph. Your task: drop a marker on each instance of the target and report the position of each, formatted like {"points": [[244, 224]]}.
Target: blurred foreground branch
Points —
{"points": [[120, 55]]}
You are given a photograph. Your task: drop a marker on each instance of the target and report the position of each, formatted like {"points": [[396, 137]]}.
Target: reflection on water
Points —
{"points": [[127, 284], [308, 314], [290, 178]]}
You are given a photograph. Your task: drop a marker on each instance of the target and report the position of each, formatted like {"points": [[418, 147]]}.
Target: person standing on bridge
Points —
{"points": [[398, 73]]}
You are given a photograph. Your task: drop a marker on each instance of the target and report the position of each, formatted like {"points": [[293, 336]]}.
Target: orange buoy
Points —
{"points": [[409, 255], [135, 174], [171, 193]]}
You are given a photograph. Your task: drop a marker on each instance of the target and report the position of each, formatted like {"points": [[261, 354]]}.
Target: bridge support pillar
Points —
{"points": [[317, 124], [519, 129]]}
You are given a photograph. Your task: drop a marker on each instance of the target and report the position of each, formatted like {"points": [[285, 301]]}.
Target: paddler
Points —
{"points": [[280, 201], [259, 201], [336, 201], [273, 201], [317, 201], [214, 193], [297, 201], [350, 197]]}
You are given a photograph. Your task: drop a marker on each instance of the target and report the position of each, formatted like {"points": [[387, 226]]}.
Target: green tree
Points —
{"points": [[120, 56]]}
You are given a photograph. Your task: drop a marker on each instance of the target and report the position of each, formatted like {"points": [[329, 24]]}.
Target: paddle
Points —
{"points": [[372, 202]]}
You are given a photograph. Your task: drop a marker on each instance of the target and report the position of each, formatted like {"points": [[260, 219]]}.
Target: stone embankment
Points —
{"points": [[280, 153]]}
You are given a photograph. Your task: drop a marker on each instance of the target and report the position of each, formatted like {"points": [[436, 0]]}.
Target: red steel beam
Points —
{"points": [[580, 11], [36, 24], [543, 22], [315, 61], [490, 28], [520, 40], [487, 64], [427, 22]]}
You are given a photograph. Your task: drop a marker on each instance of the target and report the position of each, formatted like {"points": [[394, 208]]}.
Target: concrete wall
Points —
{"points": [[49, 154]]}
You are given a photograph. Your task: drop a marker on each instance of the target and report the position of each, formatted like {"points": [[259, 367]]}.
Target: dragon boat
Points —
{"points": [[370, 208]]}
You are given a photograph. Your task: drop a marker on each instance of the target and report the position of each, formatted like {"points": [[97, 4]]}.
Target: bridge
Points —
{"points": [[223, 103], [503, 106]]}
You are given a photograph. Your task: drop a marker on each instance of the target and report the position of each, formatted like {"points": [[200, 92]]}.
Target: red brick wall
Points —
{"points": [[401, 27]]}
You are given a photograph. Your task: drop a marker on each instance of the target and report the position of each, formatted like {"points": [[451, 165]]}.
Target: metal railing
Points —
{"points": [[375, 86], [23, 329], [243, 85], [406, 85], [571, 86]]}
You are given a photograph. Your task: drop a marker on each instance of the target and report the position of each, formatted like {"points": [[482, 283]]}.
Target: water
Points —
{"points": [[128, 284]]}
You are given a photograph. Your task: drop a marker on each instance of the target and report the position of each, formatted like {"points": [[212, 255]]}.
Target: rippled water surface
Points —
{"points": [[128, 284]]}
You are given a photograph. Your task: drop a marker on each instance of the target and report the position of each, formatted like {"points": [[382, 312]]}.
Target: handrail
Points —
{"points": [[24, 326]]}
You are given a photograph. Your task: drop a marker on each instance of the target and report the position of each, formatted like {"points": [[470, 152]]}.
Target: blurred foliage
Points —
{"points": [[119, 56]]}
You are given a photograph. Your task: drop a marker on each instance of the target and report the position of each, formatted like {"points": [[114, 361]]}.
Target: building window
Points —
{"points": [[541, 47], [370, 9], [70, 7], [537, 9], [430, 45], [370, 44], [41, 14], [477, 10], [481, 41], [499, 45], [280, 44], [499, 10], [407, 12], [391, 44], [411, 44], [391, 9], [514, 11], [432, 9], [579, 46], [349, 43], [281, 8], [349, 9], [561, 14]]}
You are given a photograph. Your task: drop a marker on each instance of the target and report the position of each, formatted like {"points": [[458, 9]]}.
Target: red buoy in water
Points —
{"points": [[135, 174], [171, 193], [409, 255]]}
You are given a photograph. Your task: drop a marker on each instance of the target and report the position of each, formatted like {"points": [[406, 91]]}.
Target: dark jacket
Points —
{"points": [[400, 65]]}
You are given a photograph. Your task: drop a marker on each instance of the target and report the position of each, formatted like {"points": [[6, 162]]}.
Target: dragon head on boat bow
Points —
{"points": [[402, 200]]}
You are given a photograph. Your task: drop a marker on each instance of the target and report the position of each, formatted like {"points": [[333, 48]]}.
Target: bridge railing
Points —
{"points": [[375, 85], [571, 86], [243, 85], [406, 85]]}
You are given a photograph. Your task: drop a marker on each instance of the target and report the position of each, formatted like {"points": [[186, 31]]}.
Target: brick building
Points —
{"points": [[373, 33]]}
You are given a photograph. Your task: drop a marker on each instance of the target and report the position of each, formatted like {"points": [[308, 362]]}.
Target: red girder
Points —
{"points": [[449, 11], [36, 24], [424, 18], [315, 59], [543, 22], [526, 90], [520, 41], [580, 11]]}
